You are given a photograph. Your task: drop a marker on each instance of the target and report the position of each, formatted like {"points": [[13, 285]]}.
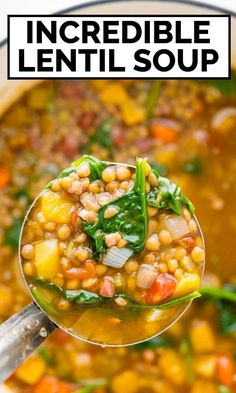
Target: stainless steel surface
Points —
{"points": [[20, 336]]}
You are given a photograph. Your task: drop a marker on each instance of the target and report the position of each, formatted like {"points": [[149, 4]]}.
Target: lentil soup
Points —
{"points": [[51, 126], [104, 251]]}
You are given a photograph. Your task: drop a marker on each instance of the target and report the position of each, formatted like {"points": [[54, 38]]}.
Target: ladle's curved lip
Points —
{"points": [[68, 330]]}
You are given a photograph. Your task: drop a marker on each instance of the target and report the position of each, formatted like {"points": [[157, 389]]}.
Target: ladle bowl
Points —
{"points": [[25, 331]]}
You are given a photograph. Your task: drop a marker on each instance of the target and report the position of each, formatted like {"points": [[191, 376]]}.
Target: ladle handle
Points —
{"points": [[20, 336]]}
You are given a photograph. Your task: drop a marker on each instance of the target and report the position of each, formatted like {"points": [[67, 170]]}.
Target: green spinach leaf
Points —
{"points": [[66, 172], [225, 300], [82, 296], [167, 195], [186, 351], [23, 194], [12, 234], [96, 166], [50, 285], [228, 292], [45, 355], [227, 320], [157, 342], [40, 299], [152, 97], [130, 221], [78, 296], [88, 386], [161, 306], [102, 136]]}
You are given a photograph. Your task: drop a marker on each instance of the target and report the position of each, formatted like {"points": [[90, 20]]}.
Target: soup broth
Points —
{"points": [[185, 128]]}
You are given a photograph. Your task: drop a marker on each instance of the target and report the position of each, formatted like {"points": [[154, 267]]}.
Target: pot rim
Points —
{"points": [[88, 4]]}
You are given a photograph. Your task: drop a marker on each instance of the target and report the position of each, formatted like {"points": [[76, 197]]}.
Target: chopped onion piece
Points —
{"points": [[177, 226], [116, 257], [146, 276]]}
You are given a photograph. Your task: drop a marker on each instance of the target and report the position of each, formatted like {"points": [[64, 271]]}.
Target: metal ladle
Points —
{"points": [[21, 334]]}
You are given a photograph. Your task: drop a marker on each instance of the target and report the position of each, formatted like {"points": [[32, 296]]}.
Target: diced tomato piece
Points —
{"points": [[162, 288], [4, 177], [225, 370], [163, 133], [107, 288], [187, 242], [51, 385], [90, 267]]}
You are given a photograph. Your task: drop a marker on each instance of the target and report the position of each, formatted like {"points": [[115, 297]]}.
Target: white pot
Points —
{"points": [[10, 90]]}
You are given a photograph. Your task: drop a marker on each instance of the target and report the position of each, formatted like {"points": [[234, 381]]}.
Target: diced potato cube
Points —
{"points": [[202, 337], [189, 283], [128, 382], [31, 370], [132, 113], [177, 226], [205, 366], [6, 299], [172, 367], [47, 258], [114, 93], [55, 208]]}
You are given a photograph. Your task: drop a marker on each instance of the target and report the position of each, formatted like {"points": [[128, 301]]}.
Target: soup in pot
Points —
{"points": [[187, 131]]}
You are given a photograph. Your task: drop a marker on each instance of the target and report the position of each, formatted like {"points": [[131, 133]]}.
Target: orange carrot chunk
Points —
{"points": [[4, 177], [163, 133], [52, 385], [225, 370], [90, 267]]}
